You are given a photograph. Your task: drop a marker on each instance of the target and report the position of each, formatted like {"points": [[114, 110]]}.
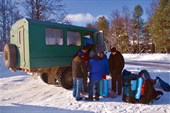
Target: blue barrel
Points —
{"points": [[101, 87], [139, 86], [133, 84], [105, 88]]}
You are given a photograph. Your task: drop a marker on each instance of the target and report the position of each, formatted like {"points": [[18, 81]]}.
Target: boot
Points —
{"points": [[89, 99], [96, 98]]}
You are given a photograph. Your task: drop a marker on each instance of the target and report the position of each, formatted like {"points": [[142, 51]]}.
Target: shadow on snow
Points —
{"points": [[20, 108]]}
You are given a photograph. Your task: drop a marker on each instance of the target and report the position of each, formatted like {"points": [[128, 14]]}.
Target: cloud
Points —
{"points": [[80, 18]]}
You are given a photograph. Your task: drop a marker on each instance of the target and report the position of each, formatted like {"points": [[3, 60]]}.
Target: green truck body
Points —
{"points": [[43, 46]]}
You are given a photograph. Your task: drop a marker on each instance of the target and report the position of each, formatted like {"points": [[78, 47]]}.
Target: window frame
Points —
{"points": [[54, 31], [80, 34]]}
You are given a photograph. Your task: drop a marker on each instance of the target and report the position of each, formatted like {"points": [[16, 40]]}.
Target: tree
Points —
{"points": [[120, 27], [152, 9], [103, 24], [45, 10], [116, 28], [159, 26], [8, 15], [137, 24], [127, 28], [91, 25]]}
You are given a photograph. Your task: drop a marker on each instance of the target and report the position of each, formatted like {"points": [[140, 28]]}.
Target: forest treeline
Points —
{"points": [[128, 31]]}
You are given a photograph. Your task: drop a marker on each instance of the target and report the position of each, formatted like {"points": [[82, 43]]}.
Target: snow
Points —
{"points": [[20, 93]]}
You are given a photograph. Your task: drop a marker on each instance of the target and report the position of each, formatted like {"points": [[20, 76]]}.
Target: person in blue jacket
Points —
{"points": [[95, 69], [105, 68]]}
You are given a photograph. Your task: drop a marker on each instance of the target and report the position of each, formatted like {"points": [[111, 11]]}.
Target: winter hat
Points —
{"points": [[92, 54], [80, 54], [84, 47], [126, 73], [113, 49]]}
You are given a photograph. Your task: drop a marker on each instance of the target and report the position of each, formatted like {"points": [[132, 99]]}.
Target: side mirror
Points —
{"points": [[99, 42]]}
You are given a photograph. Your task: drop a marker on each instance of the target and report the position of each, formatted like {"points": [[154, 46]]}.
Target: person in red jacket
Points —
{"points": [[116, 65]]}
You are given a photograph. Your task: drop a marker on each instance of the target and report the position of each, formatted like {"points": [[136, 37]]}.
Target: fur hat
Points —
{"points": [[113, 49]]}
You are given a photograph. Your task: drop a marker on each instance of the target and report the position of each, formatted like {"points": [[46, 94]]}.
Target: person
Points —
{"points": [[85, 56], [88, 43], [105, 68], [95, 75], [116, 65], [78, 71]]}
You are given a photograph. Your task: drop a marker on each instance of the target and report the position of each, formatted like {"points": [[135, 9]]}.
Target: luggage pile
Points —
{"points": [[139, 88]]}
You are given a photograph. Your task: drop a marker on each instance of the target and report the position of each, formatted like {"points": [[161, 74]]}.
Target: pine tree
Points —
{"points": [[103, 24], [160, 26], [137, 24]]}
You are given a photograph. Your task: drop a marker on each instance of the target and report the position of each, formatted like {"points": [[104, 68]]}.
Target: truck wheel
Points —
{"points": [[44, 77], [67, 79], [10, 55]]}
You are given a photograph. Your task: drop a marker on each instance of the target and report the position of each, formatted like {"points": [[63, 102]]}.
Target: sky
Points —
{"points": [[81, 12]]}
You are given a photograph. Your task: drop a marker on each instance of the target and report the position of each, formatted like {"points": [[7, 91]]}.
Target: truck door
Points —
{"points": [[21, 44], [99, 42]]}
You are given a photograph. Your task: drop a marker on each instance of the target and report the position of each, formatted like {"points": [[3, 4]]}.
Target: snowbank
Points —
{"points": [[148, 57], [20, 93]]}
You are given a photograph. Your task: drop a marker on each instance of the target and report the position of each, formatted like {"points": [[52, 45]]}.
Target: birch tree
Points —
{"points": [[45, 10], [9, 14], [120, 29]]}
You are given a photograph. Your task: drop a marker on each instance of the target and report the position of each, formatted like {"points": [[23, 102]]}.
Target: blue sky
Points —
{"points": [[82, 12]]}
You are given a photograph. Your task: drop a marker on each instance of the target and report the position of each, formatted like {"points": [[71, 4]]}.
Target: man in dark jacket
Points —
{"points": [[78, 71], [116, 65]]}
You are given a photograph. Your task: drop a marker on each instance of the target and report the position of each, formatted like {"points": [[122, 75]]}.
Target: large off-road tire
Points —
{"points": [[44, 77], [10, 58], [66, 78]]}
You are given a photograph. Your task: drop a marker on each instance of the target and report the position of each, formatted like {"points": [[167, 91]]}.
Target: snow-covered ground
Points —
{"points": [[20, 93]]}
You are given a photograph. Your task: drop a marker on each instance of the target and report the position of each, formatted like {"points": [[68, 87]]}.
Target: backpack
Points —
{"points": [[146, 92], [129, 86], [163, 84]]}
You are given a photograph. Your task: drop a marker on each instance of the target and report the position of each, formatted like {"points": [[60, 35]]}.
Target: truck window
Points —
{"points": [[73, 38], [53, 36]]}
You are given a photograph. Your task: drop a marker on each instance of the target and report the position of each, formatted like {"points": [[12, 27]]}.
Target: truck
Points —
{"points": [[48, 48]]}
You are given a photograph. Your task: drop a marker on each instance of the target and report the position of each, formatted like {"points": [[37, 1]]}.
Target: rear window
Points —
{"points": [[53, 36]]}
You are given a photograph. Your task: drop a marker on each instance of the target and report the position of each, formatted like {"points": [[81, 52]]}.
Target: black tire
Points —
{"points": [[10, 58], [66, 79], [44, 77]]}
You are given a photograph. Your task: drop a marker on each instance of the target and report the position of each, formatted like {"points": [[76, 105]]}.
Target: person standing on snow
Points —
{"points": [[78, 73], [105, 68], [95, 69], [85, 58], [116, 65]]}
